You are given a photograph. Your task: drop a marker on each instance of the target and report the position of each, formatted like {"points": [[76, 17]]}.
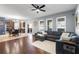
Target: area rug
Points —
{"points": [[47, 46]]}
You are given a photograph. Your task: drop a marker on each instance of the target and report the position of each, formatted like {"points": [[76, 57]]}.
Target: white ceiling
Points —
{"points": [[25, 10]]}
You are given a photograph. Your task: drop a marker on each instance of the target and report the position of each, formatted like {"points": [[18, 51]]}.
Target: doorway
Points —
{"points": [[29, 28], [22, 26]]}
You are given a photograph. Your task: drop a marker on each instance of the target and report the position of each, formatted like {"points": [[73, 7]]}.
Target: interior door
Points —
{"points": [[22, 26]]}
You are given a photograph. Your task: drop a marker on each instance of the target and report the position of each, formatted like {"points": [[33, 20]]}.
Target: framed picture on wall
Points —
{"points": [[41, 25]]}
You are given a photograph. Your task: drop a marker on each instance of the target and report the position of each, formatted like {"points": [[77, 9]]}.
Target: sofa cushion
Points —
{"points": [[51, 35], [57, 33], [54, 33], [40, 34], [49, 32], [64, 36]]}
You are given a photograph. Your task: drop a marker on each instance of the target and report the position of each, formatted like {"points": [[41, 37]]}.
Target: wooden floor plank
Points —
{"points": [[20, 46]]}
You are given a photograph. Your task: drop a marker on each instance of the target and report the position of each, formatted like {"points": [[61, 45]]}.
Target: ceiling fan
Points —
{"points": [[38, 8]]}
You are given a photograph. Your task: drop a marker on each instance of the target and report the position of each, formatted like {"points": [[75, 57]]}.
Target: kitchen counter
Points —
{"points": [[6, 37]]}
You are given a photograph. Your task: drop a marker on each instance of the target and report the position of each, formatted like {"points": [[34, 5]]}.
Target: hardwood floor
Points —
{"points": [[20, 46]]}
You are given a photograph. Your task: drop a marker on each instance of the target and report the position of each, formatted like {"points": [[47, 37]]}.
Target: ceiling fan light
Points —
{"points": [[37, 10]]}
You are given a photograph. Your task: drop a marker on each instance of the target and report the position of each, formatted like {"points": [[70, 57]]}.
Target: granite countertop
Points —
{"points": [[6, 37]]}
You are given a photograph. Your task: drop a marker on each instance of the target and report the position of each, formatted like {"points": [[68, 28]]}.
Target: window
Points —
{"points": [[61, 23], [49, 24]]}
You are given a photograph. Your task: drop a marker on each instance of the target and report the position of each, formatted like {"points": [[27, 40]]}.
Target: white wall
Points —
{"points": [[35, 26], [9, 11]]}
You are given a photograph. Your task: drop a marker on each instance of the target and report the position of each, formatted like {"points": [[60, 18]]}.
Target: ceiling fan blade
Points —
{"points": [[33, 9], [34, 6], [42, 6], [42, 10]]}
